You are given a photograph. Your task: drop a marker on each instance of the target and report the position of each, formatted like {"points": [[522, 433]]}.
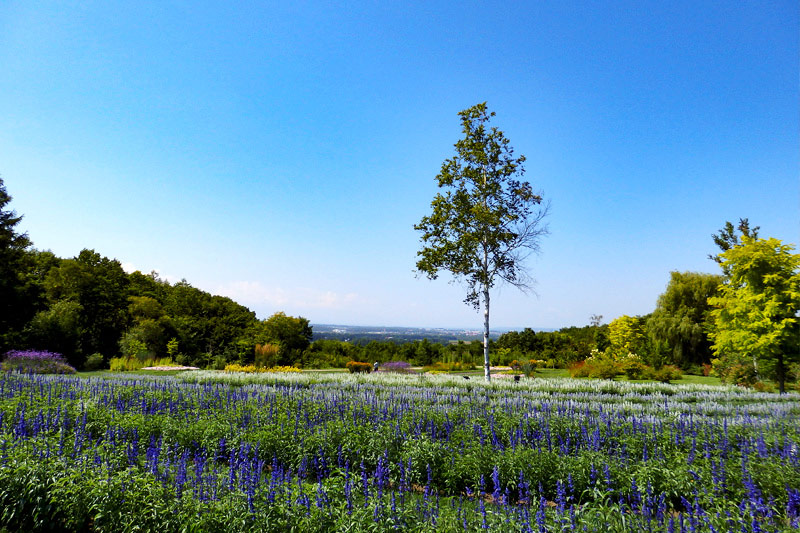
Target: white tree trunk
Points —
{"points": [[486, 373]]}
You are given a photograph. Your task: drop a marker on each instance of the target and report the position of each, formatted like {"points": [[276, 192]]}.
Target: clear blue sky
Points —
{"points": [[280, 153]]}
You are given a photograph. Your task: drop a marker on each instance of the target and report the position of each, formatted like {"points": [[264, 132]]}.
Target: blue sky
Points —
{"points": [[280, 153]]}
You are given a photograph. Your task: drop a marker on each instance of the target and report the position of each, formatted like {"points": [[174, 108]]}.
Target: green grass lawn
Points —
{"points": [[540, 373], [704, 380], [552, 373], [564, 373]]}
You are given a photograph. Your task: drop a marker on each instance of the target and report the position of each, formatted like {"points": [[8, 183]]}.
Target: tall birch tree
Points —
{"points": [[486, 221]]}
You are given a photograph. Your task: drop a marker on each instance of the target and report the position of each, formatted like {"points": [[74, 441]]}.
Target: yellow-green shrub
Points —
{"points": [[455, 366], [124, 364], [252, 369]]}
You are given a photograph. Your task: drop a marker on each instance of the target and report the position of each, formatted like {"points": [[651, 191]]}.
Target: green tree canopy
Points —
{"points": [[728, 237], [626, 335], [756, 311], [292, 334], [487, 221], [679, 320], [100, 286]]}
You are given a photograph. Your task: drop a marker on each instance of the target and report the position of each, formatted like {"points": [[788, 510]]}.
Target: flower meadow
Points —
{"points": [[214, 451]]}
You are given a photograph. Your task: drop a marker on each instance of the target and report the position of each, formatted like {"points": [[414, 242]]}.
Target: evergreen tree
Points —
{"points": [[13, 254]]}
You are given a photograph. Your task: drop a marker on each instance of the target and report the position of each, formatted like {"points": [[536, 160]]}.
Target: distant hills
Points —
{"points": [[364, 334]]}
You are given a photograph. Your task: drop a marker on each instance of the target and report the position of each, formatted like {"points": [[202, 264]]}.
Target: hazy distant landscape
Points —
{"points": [[399, 333]]}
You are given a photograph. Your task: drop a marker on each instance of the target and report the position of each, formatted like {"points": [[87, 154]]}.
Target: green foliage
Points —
{"points": [[94, 362], [681, 316], [563, 347], [127, 364], [173, 347], [727, 238], [454, 366], [291, 334], [604, 368], [634, 368], [100, 286], [736, 369], [207, 324], [600, 365], [755, 313], [667, 373], [326, 353], [58, 328], [626, 335], [132, 348]]}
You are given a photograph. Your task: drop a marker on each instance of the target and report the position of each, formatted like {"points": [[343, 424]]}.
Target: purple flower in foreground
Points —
{"points": [[37, 362]]}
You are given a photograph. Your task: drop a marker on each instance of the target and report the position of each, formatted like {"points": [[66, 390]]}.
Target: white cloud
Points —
{"points": [[129, 267], [254, 293]]}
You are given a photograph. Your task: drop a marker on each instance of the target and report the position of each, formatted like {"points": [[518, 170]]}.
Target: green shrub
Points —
{"points": [[667, 373], [695, 370], [94, 362], [605, 368], [634, 368], [218, 363], [125, 364], [761, 386], [735, 369]]}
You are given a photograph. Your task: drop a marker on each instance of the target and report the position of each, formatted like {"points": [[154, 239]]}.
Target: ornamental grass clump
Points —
{"points": [[253, 369], [130, 364], [36, 362]]}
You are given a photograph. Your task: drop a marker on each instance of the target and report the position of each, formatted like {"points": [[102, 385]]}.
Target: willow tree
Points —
{"points": [[486, 221]]}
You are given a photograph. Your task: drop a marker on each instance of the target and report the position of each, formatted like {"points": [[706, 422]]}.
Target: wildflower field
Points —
{"points": [[214, 451]]}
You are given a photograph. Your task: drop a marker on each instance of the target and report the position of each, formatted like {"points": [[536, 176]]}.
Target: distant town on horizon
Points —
{"points": [[404, 333]]}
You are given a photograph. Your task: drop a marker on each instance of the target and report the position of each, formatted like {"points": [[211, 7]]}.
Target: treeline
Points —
{"points": [[675, 333], [89, 305], [553, 348]]}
